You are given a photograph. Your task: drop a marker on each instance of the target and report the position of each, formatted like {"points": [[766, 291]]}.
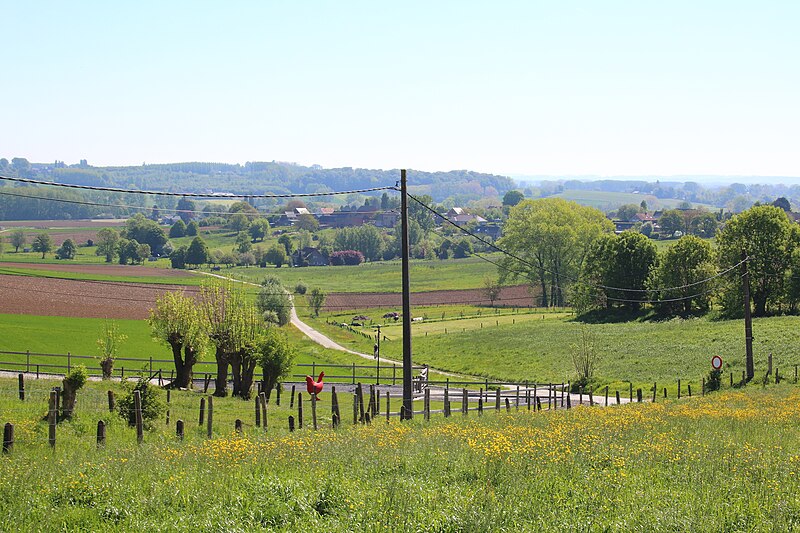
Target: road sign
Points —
{"points": [[716, 362]]}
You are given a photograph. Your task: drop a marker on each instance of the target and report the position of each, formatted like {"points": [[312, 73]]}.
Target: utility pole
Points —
{"points": [[748, 321], [408, 404]]}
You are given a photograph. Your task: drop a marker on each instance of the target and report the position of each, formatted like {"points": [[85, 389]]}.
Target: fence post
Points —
{"points": [[618, 402], [665, 393], [291, 423], [497, 399], [679, 389], [22, 386], [388, 407], [591, 398], [334, 408], [655, 389], [8, 437], [168, 395], [446, 402], [264, 421], [528, 397], [278, 388], [179, 429], [703, 388], [137, 406], [28, 363], [606, 395], [394, 373], [299, 410], [427, 406], [101, 433], [580, 395], [639, 395], [202, 411], [360, 397], [689, 389], [480, 402], [291, 400], [258, 410], [314, 410], [206, 382], [69, 362], [464, 402], [210, 416], [237, 425], [630, 386], [517, 399]]}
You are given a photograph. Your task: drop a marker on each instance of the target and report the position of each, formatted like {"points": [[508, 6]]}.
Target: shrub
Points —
{"points": [[347, 257], [152, 404], [714, 380], [300, 288]]}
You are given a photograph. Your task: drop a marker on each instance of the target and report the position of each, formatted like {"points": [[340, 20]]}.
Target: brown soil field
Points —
{"points": [[88, 299], [111, 270], [516, 296]]}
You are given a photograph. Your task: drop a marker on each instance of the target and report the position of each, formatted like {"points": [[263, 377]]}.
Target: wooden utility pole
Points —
{"points": [[748, 321], [408, 406]]}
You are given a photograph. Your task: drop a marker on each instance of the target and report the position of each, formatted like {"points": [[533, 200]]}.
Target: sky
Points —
{"points": [[533, 87]]}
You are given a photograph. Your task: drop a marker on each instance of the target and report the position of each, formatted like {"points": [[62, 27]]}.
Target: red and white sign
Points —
{"points": [[716, 362]]}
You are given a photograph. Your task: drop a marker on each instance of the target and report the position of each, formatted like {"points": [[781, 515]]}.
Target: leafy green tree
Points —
{"points": [[316, 299], [627, 211], [143, 252], [107, 241], [17, 239], [186, 209], [366, 239], [491, 289], [145, 231], [421, 214], [704, 225], [276, 255], [66, 250], [687, 262], [239, 222], [243, 243], [176, 321], [462, 249], [153, 405], [670, 222], [783, 203], [551, 237], [273, 297], [192, 228], [42, 243], [768, 239], [286, 241], [307, 222], [259, 229], [197, 253], [177, 230], [178, 257], [512, 198], [276, 356]]}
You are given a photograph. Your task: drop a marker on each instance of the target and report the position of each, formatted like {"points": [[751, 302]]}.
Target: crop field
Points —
{"points": [[724, 462], [607, 201]]}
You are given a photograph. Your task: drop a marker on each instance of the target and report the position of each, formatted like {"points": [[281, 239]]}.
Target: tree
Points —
{"points": [[346, 257], [67, 250], [186, 209], [492, 289], [239, 222], [704, 225], [259, 229], [273, 297], [197, 253], [549, 239], [512, 198], [316, 299], [177, 230], [176, 321], [128, 251], [684, 264], [286, 242], [366, 239], [783, 203], [178, 257], [192, 228], [242, 243], [108, 344], [670, 222], [768, 239], [143, 252], [421, 213], [627, 211], [307, 222], [276, 255], [462, 249], [42, 243], [276, 356], [643, 206], [107, 243], [17, 239], [145, 231], [616, 269]]}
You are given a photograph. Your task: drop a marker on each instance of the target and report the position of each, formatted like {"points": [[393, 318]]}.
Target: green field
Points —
{"points": [[383, 276], [726, 462], [607, 201], [133, 278]]}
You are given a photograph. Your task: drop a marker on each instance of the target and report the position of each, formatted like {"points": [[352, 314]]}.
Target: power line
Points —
{"points": [[195, 195]]}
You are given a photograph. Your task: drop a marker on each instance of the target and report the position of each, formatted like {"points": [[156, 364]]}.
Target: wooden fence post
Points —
{"points": [[334, 408], [355, 407], [446, 402], [508, 406], [388, 407], [655, 390], [291, 423], [237, 425], [179, 429], [427, 404], [8, 437], [569, 402], [51, 420], [206, 381], [360, 397], [480, 402], [630, 390], [258, 410], [101, 433], [210, 417], [591, 398], [606, 395], [464, 402], [517, 399], [22, 386], [639, 395], [137, 406], [264, 424], [497, 399], [679, 389], [168, 397], [291, 400], [314, 410], [580, 395], [299, 410], [202, 411], [617, 393], [689, 389], [278, 388], [703, 388]]}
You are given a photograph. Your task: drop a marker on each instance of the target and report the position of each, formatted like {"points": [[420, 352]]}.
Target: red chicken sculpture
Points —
{"points": [[314, 386]]}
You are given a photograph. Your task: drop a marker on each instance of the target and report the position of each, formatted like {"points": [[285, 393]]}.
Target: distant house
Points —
{"points": [[169, 220], [344, 219], [643, 217], [387, 219], [458, 216], [493, 231], [309, 256]]}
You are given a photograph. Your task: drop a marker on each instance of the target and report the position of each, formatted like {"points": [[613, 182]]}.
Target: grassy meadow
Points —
{"points": [[725, 462]]}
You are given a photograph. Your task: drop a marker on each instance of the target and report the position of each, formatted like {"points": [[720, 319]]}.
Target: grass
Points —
{"points": [[63, 274], [381, 276], [721, 463], [607, 201]]}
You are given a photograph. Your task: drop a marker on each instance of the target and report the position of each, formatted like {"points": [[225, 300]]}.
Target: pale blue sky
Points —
{"points": [[534, 87]]}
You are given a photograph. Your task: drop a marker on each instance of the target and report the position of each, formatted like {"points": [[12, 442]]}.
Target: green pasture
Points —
{"points": [[607, 201], [132, 278], [381, 276], [725, 462]]}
